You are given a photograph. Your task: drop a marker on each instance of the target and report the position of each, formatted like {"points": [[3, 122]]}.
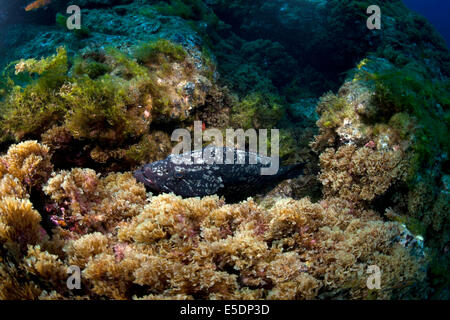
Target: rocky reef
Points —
{"points": [[366, 111], [129, 243]]}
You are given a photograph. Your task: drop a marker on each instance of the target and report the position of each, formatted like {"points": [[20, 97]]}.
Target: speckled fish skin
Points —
{"points": [[199, 179]]}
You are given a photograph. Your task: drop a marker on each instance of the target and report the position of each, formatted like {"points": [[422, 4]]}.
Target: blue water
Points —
{"points": [[436, 11]]}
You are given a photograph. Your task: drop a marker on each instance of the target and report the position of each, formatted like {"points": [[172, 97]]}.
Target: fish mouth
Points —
{"points": [[139, 176]]}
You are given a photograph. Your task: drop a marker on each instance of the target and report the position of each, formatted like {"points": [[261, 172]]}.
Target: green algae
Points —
{"points": [[158, 51], [93, 69], [333, 110], [405, 96], [31, 108], [258, 110], [129, 67], [99, 109], [91, 101]]}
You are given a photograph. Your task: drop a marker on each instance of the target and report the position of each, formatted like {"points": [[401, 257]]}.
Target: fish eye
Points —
{"points": [[178, 174]]}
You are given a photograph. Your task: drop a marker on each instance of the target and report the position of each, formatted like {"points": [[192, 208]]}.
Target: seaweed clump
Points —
{"points": [[23, 170], [383, 144], [129, 246], [103, 101], [257, 111]]}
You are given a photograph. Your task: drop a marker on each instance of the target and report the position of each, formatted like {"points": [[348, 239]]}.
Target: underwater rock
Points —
{"points": [[107, 28], [160, 82], [304, 111], [379, 148], [113, 24]]}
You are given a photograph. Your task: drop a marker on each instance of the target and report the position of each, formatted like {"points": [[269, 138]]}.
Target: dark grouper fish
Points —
{"points": [[203, 178]]}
